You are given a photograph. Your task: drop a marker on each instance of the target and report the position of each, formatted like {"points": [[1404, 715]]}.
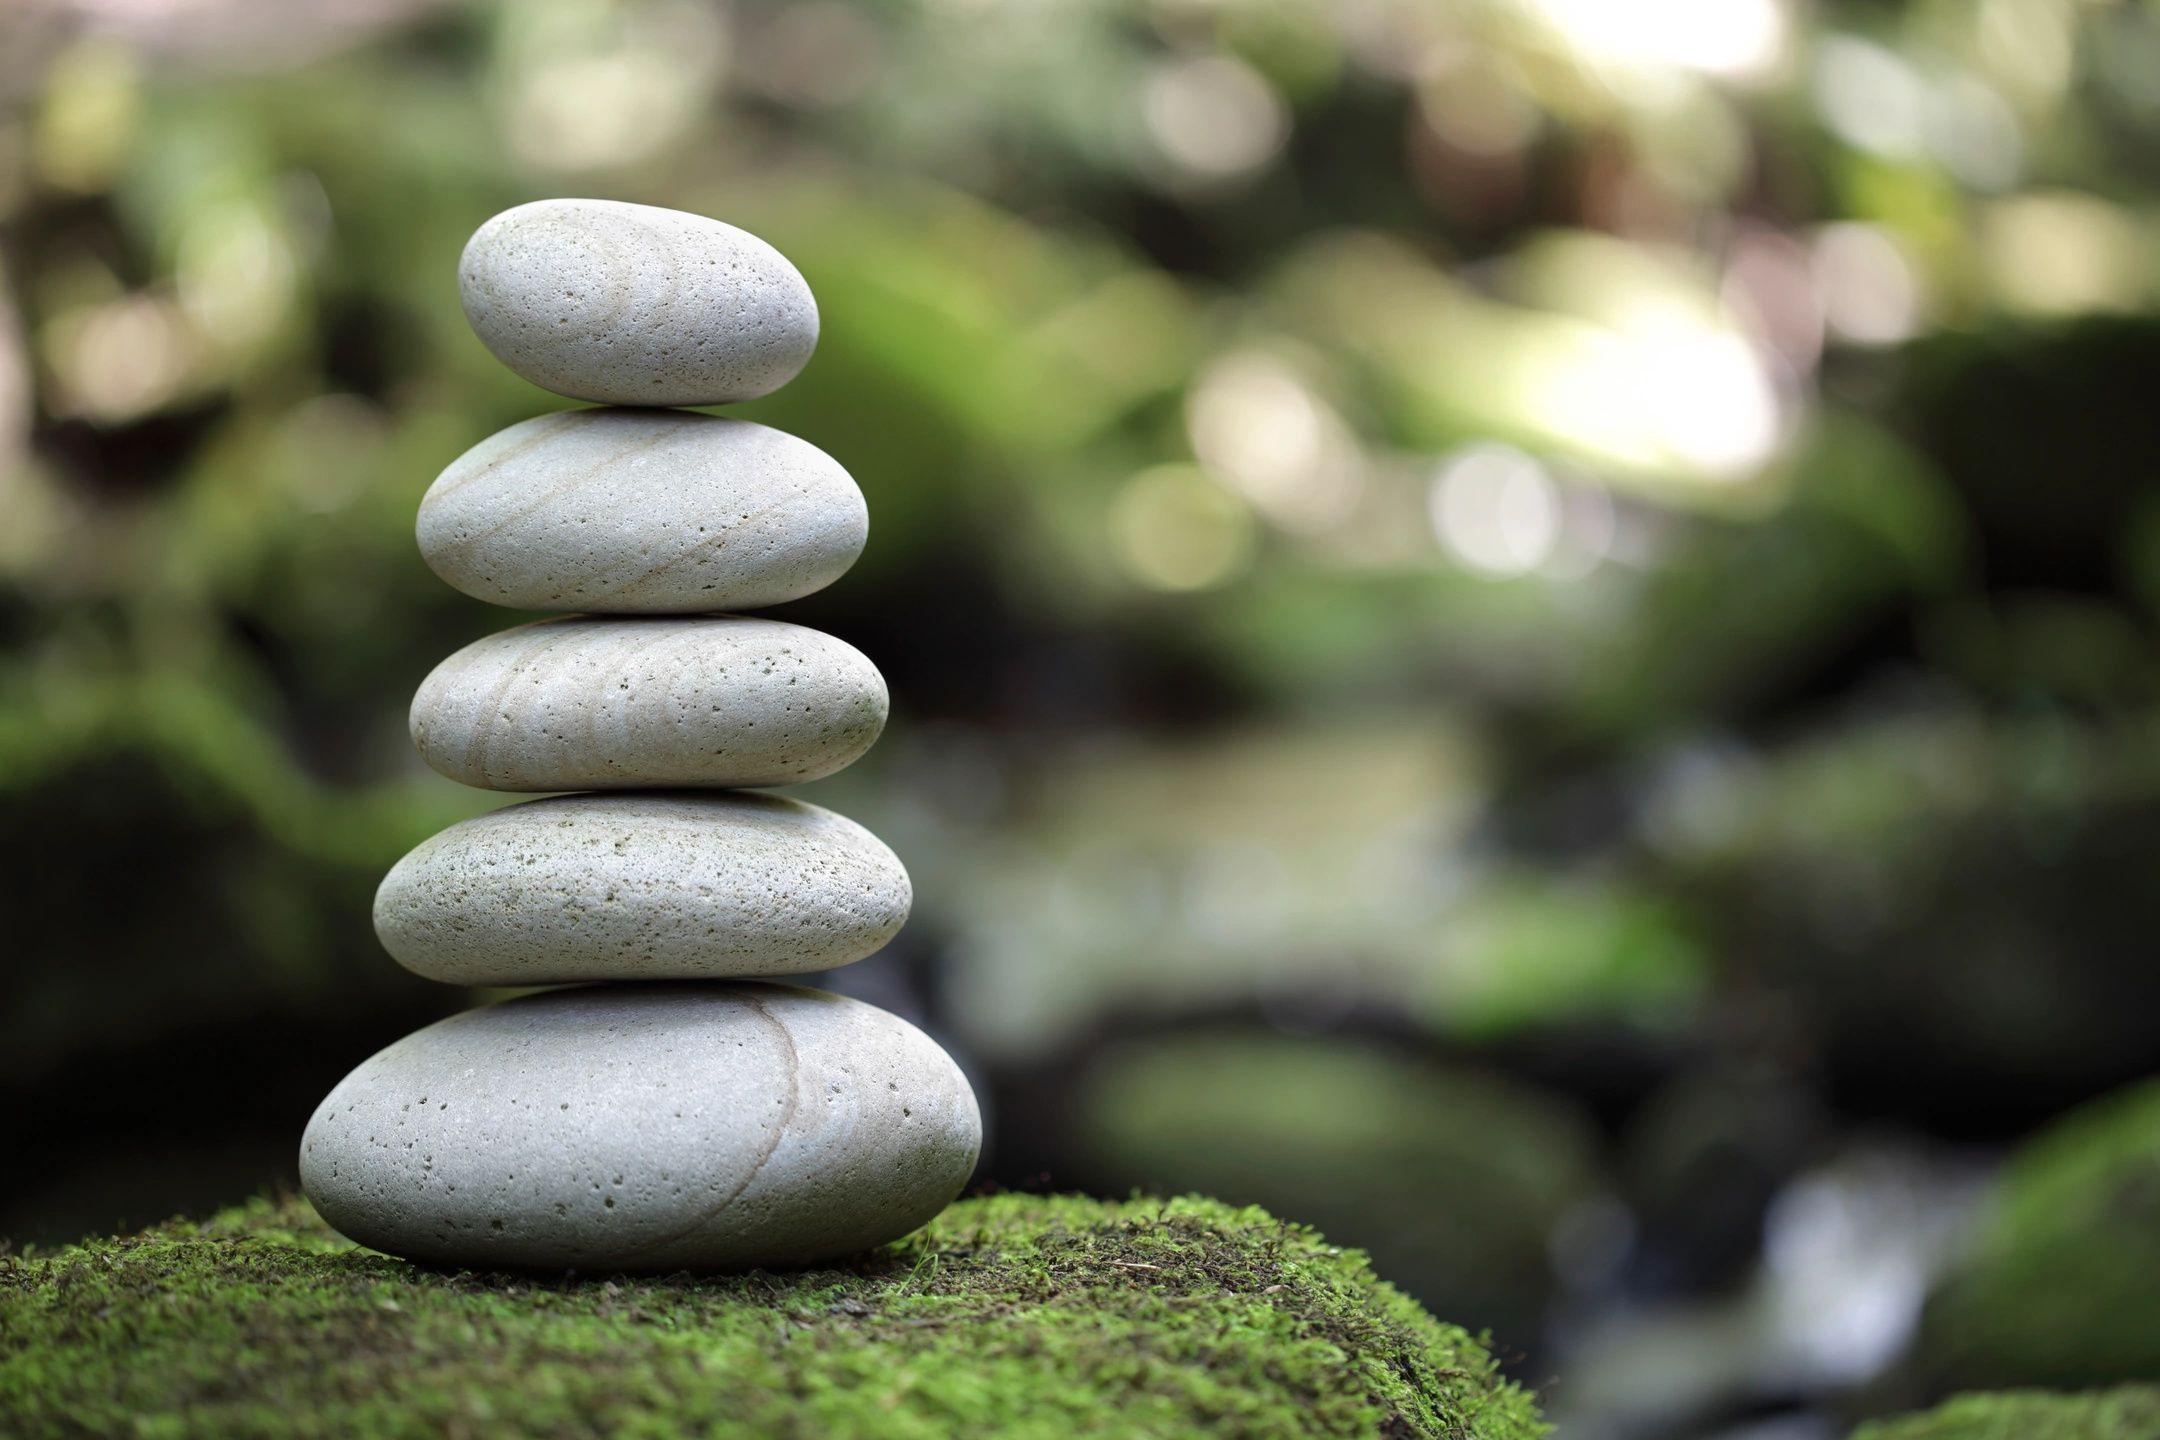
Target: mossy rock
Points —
{"points": [[2131, 1413], [2060, 1288], [1453, 1181], [1882, 878], [1014, 1316]]}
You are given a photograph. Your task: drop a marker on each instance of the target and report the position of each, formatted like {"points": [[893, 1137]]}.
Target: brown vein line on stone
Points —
{"points": [[476, 752], [788, 1107], [681, 556], [571, 482], [544, 429]]}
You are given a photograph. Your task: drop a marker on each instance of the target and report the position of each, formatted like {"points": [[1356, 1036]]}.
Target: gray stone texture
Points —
{"points": [[641, 512], [641, 886], [586, 703], [645, 1128], [635, 305]]}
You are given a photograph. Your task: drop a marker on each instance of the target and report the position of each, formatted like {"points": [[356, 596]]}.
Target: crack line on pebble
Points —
{"points": [[772, 1143]]}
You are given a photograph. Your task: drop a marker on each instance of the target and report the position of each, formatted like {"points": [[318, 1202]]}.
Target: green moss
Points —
{"points": [[1013, 1316], [2059, 1289], [2131, 1413]]}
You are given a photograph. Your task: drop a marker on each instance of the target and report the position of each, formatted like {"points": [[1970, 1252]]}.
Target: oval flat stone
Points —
{"points": [[582, 703], [636, 305], [641, 886], [645, 1128], [641, 511]]}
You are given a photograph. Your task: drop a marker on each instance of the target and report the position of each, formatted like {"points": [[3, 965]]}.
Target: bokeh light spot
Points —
{"points": [[1213, 117], [1868, 291], [1496, 509], [1714, 37], [1257, 425], [1174, 527]]}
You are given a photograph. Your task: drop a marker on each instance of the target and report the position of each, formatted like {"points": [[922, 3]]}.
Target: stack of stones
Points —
{"points": [[664, 1112]]}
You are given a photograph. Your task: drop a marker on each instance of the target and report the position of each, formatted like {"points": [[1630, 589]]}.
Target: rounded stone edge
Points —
{"points": [[669, 1255], [394, 938], [415, 724], [848, 513], [643, 399]]}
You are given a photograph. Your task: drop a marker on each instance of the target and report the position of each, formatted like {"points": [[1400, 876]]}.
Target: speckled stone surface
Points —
{"points": [[642, 886], [642, 511], [645, 1128], [584, 703], [636, 305]]}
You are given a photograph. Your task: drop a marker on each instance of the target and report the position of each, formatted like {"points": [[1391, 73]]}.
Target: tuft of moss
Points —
{"points": [[2130, 1413], [1012, 1315], [2059, 1289]]}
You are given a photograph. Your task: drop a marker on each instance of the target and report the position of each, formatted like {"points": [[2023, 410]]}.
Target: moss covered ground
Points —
{"points": [[2129, 1413], [1010, 1315]]}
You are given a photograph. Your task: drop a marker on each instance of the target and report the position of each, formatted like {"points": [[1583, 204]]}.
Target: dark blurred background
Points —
{"points": [[1519, 628]]}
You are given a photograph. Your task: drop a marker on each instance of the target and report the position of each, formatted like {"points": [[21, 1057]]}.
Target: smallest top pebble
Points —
{"points": [[635, 305]]}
